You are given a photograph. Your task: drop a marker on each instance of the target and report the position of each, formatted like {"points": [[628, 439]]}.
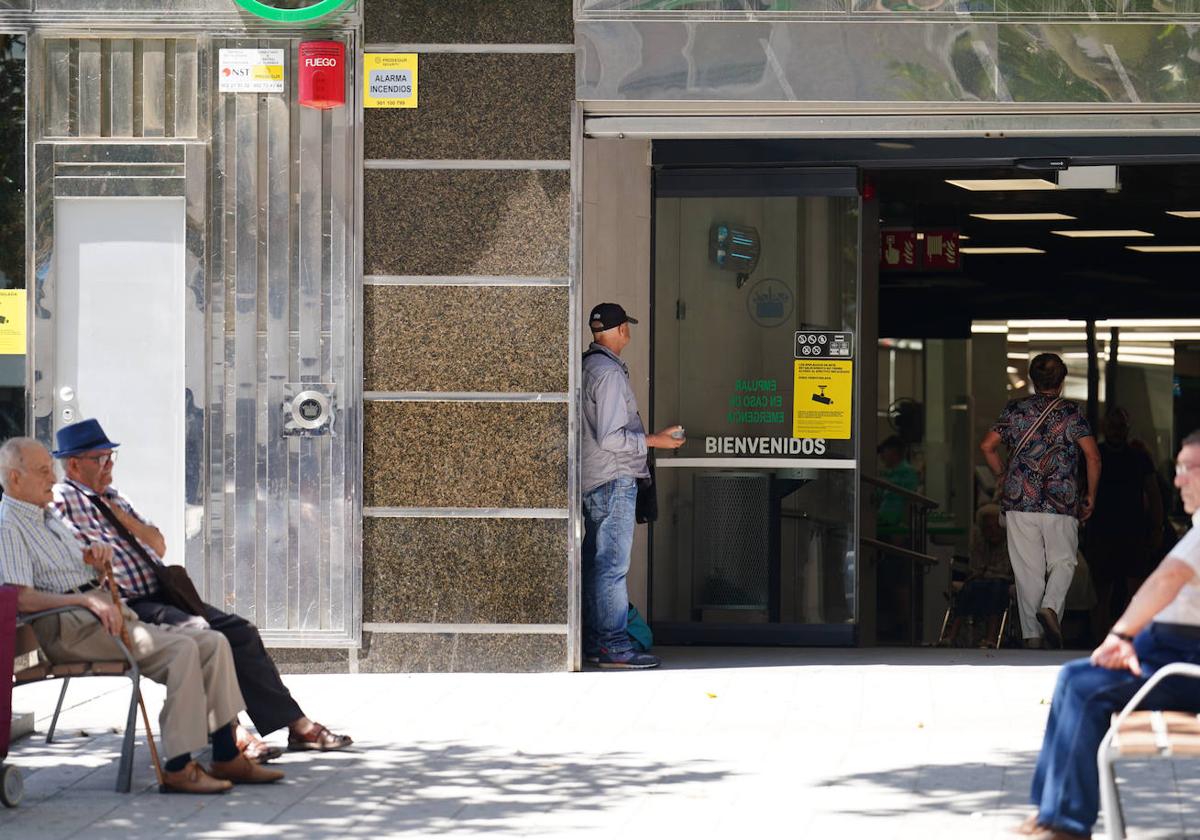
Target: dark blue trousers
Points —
{"points": [[1066, 787]]}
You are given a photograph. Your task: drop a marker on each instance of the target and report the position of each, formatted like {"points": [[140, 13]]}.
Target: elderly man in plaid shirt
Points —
{"points": [[93, 509]]}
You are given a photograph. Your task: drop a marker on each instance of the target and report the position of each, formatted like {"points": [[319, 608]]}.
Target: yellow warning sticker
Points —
{"points": [[12, 322], [824, 391], [390, 80]]}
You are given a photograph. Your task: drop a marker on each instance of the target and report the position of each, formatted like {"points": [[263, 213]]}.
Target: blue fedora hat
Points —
{"points": [[83, 436]]}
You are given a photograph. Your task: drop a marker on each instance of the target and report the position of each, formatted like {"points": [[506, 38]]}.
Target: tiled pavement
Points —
{"points": [[728, 743]]}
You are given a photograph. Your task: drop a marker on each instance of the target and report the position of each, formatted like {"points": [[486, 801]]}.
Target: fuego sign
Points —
{"points": [[311, 12]]}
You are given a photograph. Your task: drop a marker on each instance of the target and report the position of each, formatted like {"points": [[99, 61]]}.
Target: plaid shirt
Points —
{"points": [[89, 526], [37, 550]]}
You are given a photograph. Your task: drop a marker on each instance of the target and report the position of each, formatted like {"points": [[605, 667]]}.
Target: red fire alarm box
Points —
{"points": [[323, 74]]}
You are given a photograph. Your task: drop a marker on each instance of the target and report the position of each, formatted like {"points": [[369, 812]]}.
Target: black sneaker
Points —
{"points": [[629, 660]]}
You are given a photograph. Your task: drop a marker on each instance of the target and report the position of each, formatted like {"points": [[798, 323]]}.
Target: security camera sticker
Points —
{"points": [[824, 390]]}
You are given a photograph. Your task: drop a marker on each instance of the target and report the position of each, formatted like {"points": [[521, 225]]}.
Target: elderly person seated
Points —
{"points": [[985, 593], [1161, 625], [40, 557]]}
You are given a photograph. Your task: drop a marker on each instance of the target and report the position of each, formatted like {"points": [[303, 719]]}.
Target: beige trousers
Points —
{"points": [[1041, 547], [196, 666]]}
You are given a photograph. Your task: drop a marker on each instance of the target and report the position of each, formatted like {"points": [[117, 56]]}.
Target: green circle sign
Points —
{"points": [[316, 10]]}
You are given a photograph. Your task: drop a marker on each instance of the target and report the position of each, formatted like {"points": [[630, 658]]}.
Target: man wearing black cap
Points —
{"points": [[613, 458]]}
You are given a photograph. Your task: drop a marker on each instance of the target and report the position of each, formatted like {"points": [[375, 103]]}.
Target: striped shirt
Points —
{"points": [[37, 550], [89, 525]]}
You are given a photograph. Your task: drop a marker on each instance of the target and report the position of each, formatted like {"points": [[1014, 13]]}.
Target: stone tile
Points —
{"points": [[420, 454], [480, 107], [311, 660], [462, 652], [465, 570], [465, 338], [469, 21], [466, 222]]}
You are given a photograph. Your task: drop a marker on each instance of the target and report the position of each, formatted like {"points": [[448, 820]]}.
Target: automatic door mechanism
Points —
{"points": [[308, 409]]}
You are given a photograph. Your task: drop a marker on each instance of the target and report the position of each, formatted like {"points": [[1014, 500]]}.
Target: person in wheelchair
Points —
{"points": [[984, 595]]}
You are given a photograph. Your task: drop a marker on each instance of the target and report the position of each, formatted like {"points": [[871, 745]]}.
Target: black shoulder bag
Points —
{"points": [[646, 506], [174, 584]]}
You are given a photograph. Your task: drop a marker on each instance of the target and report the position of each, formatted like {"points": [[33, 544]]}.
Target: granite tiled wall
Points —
{"points": [[473, 454], [465, 571], [443, 204], [481, 107], [469, 21], [465, 338], [457, 652], [466, 222]]}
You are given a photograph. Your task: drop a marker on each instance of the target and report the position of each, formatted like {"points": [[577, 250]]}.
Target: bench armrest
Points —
{"points": [[1175, 669], [29, 618]]}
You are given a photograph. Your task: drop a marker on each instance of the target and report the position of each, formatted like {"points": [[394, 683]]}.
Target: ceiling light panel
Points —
{"points": [[1023, 217], [1102, 234], [1001, 184], [1008, 249], [1165, 249], [1185, 214]]}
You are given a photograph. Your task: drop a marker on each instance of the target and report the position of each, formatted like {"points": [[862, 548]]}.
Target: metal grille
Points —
{"points": [[732, 540]]}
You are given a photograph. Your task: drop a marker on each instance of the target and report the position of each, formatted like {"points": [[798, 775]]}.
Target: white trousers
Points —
{"points": [[1041, 547]]}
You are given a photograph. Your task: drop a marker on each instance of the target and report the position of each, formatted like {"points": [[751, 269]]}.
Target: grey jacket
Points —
{"points": [[614, 439]]}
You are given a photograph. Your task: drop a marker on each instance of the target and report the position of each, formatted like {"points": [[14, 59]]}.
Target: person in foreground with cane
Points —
{"points": [[1161, 625], [43, 559]]}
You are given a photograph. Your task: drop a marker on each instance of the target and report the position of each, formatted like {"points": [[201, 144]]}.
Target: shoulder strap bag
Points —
{"points": [[174, 584], [1012, 458]]}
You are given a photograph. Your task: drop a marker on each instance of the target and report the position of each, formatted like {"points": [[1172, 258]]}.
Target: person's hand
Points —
{"points": [[98, 556], [1089, 506], [1117, 655], [123, 517], [105, 610], [664, 440]]}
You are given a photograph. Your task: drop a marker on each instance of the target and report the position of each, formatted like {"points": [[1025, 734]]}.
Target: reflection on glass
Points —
{"points": [[12, 218], [761, 529]]}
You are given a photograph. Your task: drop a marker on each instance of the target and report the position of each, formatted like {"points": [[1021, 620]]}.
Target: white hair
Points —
{"points": [[12, 456]]}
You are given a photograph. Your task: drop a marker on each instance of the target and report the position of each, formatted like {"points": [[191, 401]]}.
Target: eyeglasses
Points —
{"points": [[101, 460]]}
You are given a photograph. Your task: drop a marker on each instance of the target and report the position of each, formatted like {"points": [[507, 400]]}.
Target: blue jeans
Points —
{"points": [[1066, 787], [608, 520]]}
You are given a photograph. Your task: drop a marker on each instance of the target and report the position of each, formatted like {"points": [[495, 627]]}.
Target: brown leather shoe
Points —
{"points": [[1049, 622], [243, 771], [192, 779]]}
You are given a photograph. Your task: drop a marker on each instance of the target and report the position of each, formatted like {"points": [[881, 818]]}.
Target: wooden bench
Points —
{"points": [[1141, 735], [43, 669]]}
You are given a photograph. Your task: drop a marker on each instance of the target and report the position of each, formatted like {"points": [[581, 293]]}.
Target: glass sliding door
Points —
{"points": [[755, 321]]}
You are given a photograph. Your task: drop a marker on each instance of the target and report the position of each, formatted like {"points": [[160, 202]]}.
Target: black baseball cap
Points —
{"points": [[605, 316]]}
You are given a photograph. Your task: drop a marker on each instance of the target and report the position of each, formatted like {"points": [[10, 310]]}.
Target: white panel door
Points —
{"points": [[120, 342]]}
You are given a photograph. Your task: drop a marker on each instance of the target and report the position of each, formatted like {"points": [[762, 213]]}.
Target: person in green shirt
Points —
{"points": [[895, 469]]}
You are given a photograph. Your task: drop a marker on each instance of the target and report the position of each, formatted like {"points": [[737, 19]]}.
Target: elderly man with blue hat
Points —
{"points": [[93, 509]]}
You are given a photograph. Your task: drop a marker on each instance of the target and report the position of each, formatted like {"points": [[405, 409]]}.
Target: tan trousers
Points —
{"points": [[196, 666]]}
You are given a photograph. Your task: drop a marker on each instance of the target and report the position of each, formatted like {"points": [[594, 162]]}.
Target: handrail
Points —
{"points": [[901, 551], [915, 498]]}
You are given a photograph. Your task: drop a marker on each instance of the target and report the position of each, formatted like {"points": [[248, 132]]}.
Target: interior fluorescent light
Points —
{"points": [[989, 328], [1001, 184], [893, 144], [1165, 249], [1054, 324], [1185, 214], [1161, 336], [1022, 356], [1164, 323], [1013, 249], [1142, 350], [1023, 217], [1144, 360], [1101, 234]]}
